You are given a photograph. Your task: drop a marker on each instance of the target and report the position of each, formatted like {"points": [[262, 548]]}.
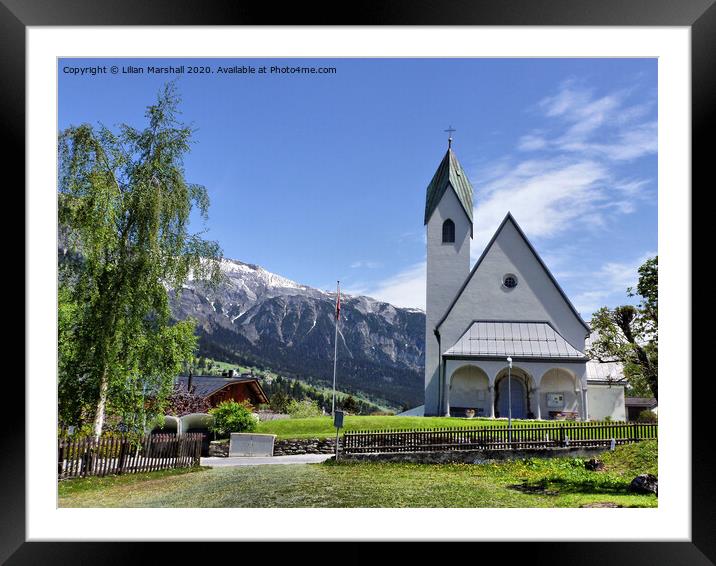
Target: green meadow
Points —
{"points": [[558, 482]]}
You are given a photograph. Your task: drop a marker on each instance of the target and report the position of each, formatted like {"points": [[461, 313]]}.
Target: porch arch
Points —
{"points": [[560, 394], [523, 401], [469, 388]]}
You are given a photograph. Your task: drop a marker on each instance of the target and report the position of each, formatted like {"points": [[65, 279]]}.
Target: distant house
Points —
{"points": [[224, 388], [635, 405]]}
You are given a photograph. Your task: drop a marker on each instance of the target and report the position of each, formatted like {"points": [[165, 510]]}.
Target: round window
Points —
{"points": [[509, 281]]}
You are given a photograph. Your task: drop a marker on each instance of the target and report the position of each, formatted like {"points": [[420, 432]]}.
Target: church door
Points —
{"points": [[518, 399]]}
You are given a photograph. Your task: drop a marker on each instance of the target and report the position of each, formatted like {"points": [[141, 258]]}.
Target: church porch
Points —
{"points": [[540, 390], [548, 378]]}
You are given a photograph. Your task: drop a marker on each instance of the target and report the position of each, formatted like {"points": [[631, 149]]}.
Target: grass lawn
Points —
{"points": [[559, 482], [322, 427]]}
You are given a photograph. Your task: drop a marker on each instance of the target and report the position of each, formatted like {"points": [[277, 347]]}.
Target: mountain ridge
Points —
{"points": [[257, 316]]}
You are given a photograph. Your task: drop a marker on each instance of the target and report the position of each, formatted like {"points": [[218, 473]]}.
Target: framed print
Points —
{"points": [[555, 400], [251, 101]]}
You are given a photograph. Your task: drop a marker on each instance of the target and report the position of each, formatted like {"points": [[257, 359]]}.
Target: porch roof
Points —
{"points": [[499, 339]]}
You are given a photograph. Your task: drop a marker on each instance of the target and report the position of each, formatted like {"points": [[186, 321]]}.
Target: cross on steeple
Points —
{"points": [[450, 130]]}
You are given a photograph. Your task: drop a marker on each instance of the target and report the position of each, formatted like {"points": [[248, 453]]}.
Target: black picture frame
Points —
{"points": [[698, 15]]}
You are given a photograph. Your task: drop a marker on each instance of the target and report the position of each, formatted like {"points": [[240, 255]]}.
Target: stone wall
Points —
{"points": [[472, 456], [305, 446], [220, 448]]}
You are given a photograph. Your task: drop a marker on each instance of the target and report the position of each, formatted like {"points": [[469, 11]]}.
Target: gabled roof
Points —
{"points": [[449, 174], [648, 402], [490, 338], [510, 218], [207, 385]]}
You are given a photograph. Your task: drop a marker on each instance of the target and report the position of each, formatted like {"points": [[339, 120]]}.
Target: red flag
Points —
{"points": [[338, 304]]}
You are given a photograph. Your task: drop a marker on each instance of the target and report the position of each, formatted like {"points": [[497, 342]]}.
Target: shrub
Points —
{"points": [[647, 416], [303, 409], [230, 416], [279, 402]]}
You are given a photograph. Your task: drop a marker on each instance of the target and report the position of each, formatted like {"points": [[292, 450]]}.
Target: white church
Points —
{"points": [[508, 306]]}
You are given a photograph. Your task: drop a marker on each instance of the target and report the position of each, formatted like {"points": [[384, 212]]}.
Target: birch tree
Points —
{"points": [[124, 211]]}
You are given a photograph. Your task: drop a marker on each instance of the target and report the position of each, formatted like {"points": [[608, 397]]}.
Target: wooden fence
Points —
{"points": [[548, 435], [87, 456]]}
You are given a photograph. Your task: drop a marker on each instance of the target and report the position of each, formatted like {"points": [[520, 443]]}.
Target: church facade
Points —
{"points": [[508, 305]]}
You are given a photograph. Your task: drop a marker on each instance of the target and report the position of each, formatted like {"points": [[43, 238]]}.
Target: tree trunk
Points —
{"points": [[101, 402]]}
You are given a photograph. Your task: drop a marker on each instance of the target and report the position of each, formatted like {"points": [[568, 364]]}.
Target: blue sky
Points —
{"points": [[320, 177]]}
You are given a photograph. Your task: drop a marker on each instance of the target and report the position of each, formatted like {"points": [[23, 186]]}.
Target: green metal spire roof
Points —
{"points": [[449, 174]]}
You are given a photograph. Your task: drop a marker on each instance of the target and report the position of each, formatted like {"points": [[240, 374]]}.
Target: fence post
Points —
{"points": [[121, 457], [60, 457], [561, 435], [197, 453], [85, 465]]}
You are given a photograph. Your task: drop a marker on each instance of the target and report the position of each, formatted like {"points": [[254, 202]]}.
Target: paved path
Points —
{"points": [[260, 460]]}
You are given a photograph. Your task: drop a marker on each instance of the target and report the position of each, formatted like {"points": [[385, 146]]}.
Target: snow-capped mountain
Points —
{"points": [[262, 318]]}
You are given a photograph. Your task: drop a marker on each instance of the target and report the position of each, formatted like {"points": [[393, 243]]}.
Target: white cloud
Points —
{"points": [[608, 285], [576, 183], [531, 142], [366, 264], [405, 289], [545, 197], [606, 126], [588, 302]]}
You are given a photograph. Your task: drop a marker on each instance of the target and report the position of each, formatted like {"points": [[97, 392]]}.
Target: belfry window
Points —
{"points": [[448, 232]]}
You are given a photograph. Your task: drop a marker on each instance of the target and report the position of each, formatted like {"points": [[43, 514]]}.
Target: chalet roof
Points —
{"points": [[511, 219], [449, 174], [648, 402], [207, 385], [498, 339]]}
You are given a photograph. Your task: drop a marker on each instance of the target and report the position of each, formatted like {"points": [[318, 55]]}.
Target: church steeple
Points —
{"points": [[448, 224], [450, 130], [449, 175]]}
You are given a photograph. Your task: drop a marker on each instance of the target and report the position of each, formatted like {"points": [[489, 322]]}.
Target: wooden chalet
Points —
{"points": [[224, 388]]}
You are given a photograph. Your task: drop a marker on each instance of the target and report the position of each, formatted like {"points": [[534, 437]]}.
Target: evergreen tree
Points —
{"points": [[349, 405]]}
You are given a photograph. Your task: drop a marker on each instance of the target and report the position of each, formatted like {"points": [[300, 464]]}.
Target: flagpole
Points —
{"points": [[335, 344]]}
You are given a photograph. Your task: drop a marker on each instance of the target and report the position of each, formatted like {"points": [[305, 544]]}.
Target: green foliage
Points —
{"points": [[629, 334], [648, 289], [303, 409], [647, 416], [230, 416], [299, 390], [279, 402], [349, 405], [124, 209]]}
